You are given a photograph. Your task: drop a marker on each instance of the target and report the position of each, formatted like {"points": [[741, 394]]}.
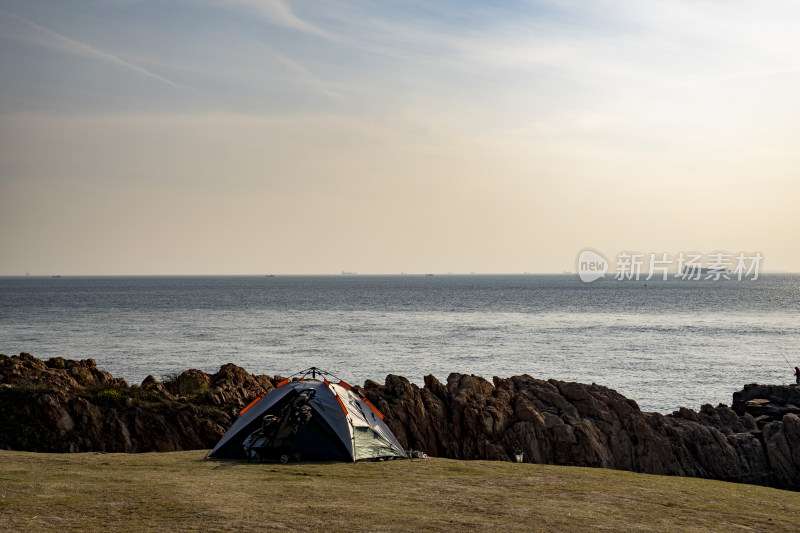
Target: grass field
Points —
{"points": [[182, 492]]}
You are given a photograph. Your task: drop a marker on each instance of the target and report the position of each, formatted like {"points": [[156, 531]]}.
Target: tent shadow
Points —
{"points": [[230, 463]]}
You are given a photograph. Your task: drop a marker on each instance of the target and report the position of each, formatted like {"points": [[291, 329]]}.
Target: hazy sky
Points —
{"points": [[270, 136]]}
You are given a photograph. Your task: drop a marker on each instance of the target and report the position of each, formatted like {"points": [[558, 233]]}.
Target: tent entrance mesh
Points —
{"points": [[367, 444]]}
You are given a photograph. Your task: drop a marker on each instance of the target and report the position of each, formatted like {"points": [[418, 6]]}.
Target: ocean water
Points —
{"points": [[664, 344]]}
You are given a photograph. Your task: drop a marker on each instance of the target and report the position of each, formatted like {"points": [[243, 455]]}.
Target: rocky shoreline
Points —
{"points": [[61, 405]]}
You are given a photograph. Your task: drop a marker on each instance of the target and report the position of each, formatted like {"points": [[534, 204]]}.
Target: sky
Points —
{"points": [[279, 137]]}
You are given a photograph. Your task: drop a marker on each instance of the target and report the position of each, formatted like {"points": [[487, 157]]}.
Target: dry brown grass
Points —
{"points": [[182, 492]]}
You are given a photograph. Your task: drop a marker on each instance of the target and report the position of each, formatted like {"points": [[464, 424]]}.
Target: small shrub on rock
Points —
{"points": [[110, 397]]}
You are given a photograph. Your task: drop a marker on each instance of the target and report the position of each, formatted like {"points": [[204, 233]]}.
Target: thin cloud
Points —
{"points": [[302, 71], [278, 12], [52, 39]]}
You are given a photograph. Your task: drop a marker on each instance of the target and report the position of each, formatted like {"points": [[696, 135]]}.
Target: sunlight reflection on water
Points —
{"points": [[645, 345]]}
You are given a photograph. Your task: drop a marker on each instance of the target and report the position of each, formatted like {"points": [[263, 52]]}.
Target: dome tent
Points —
{"points": [[310, 419]]}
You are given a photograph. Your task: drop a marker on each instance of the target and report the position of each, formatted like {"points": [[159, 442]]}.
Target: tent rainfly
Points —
{"points": [[310, 419]]}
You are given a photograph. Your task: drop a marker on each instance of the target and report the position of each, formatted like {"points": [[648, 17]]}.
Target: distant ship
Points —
{"points": [[346, 273]]}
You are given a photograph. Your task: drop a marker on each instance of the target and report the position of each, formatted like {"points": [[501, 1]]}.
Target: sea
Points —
{"points": [[664, 344]]}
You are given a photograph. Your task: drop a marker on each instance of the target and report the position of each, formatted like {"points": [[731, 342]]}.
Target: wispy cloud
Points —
{"points": [[48, 38], [278, 12], [302, 72]]}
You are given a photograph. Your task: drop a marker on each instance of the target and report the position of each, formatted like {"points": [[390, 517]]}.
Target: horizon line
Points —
{"points": [[337, 274]]}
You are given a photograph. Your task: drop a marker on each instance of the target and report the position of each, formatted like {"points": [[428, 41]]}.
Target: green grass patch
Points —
{"points": [[182, 492]]}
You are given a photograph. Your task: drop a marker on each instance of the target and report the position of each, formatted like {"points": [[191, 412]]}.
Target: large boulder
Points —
{"points": [[234, 386], [56, 374]]}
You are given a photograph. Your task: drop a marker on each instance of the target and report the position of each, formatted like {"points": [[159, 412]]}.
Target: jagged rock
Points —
{"points": [[64, 405], [590, 425], [188, 383], [152, 385], [233, 385], [63, 375]]}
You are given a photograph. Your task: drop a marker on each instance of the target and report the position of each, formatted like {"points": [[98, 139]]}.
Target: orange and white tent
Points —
{"points": [[343, 426]]}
